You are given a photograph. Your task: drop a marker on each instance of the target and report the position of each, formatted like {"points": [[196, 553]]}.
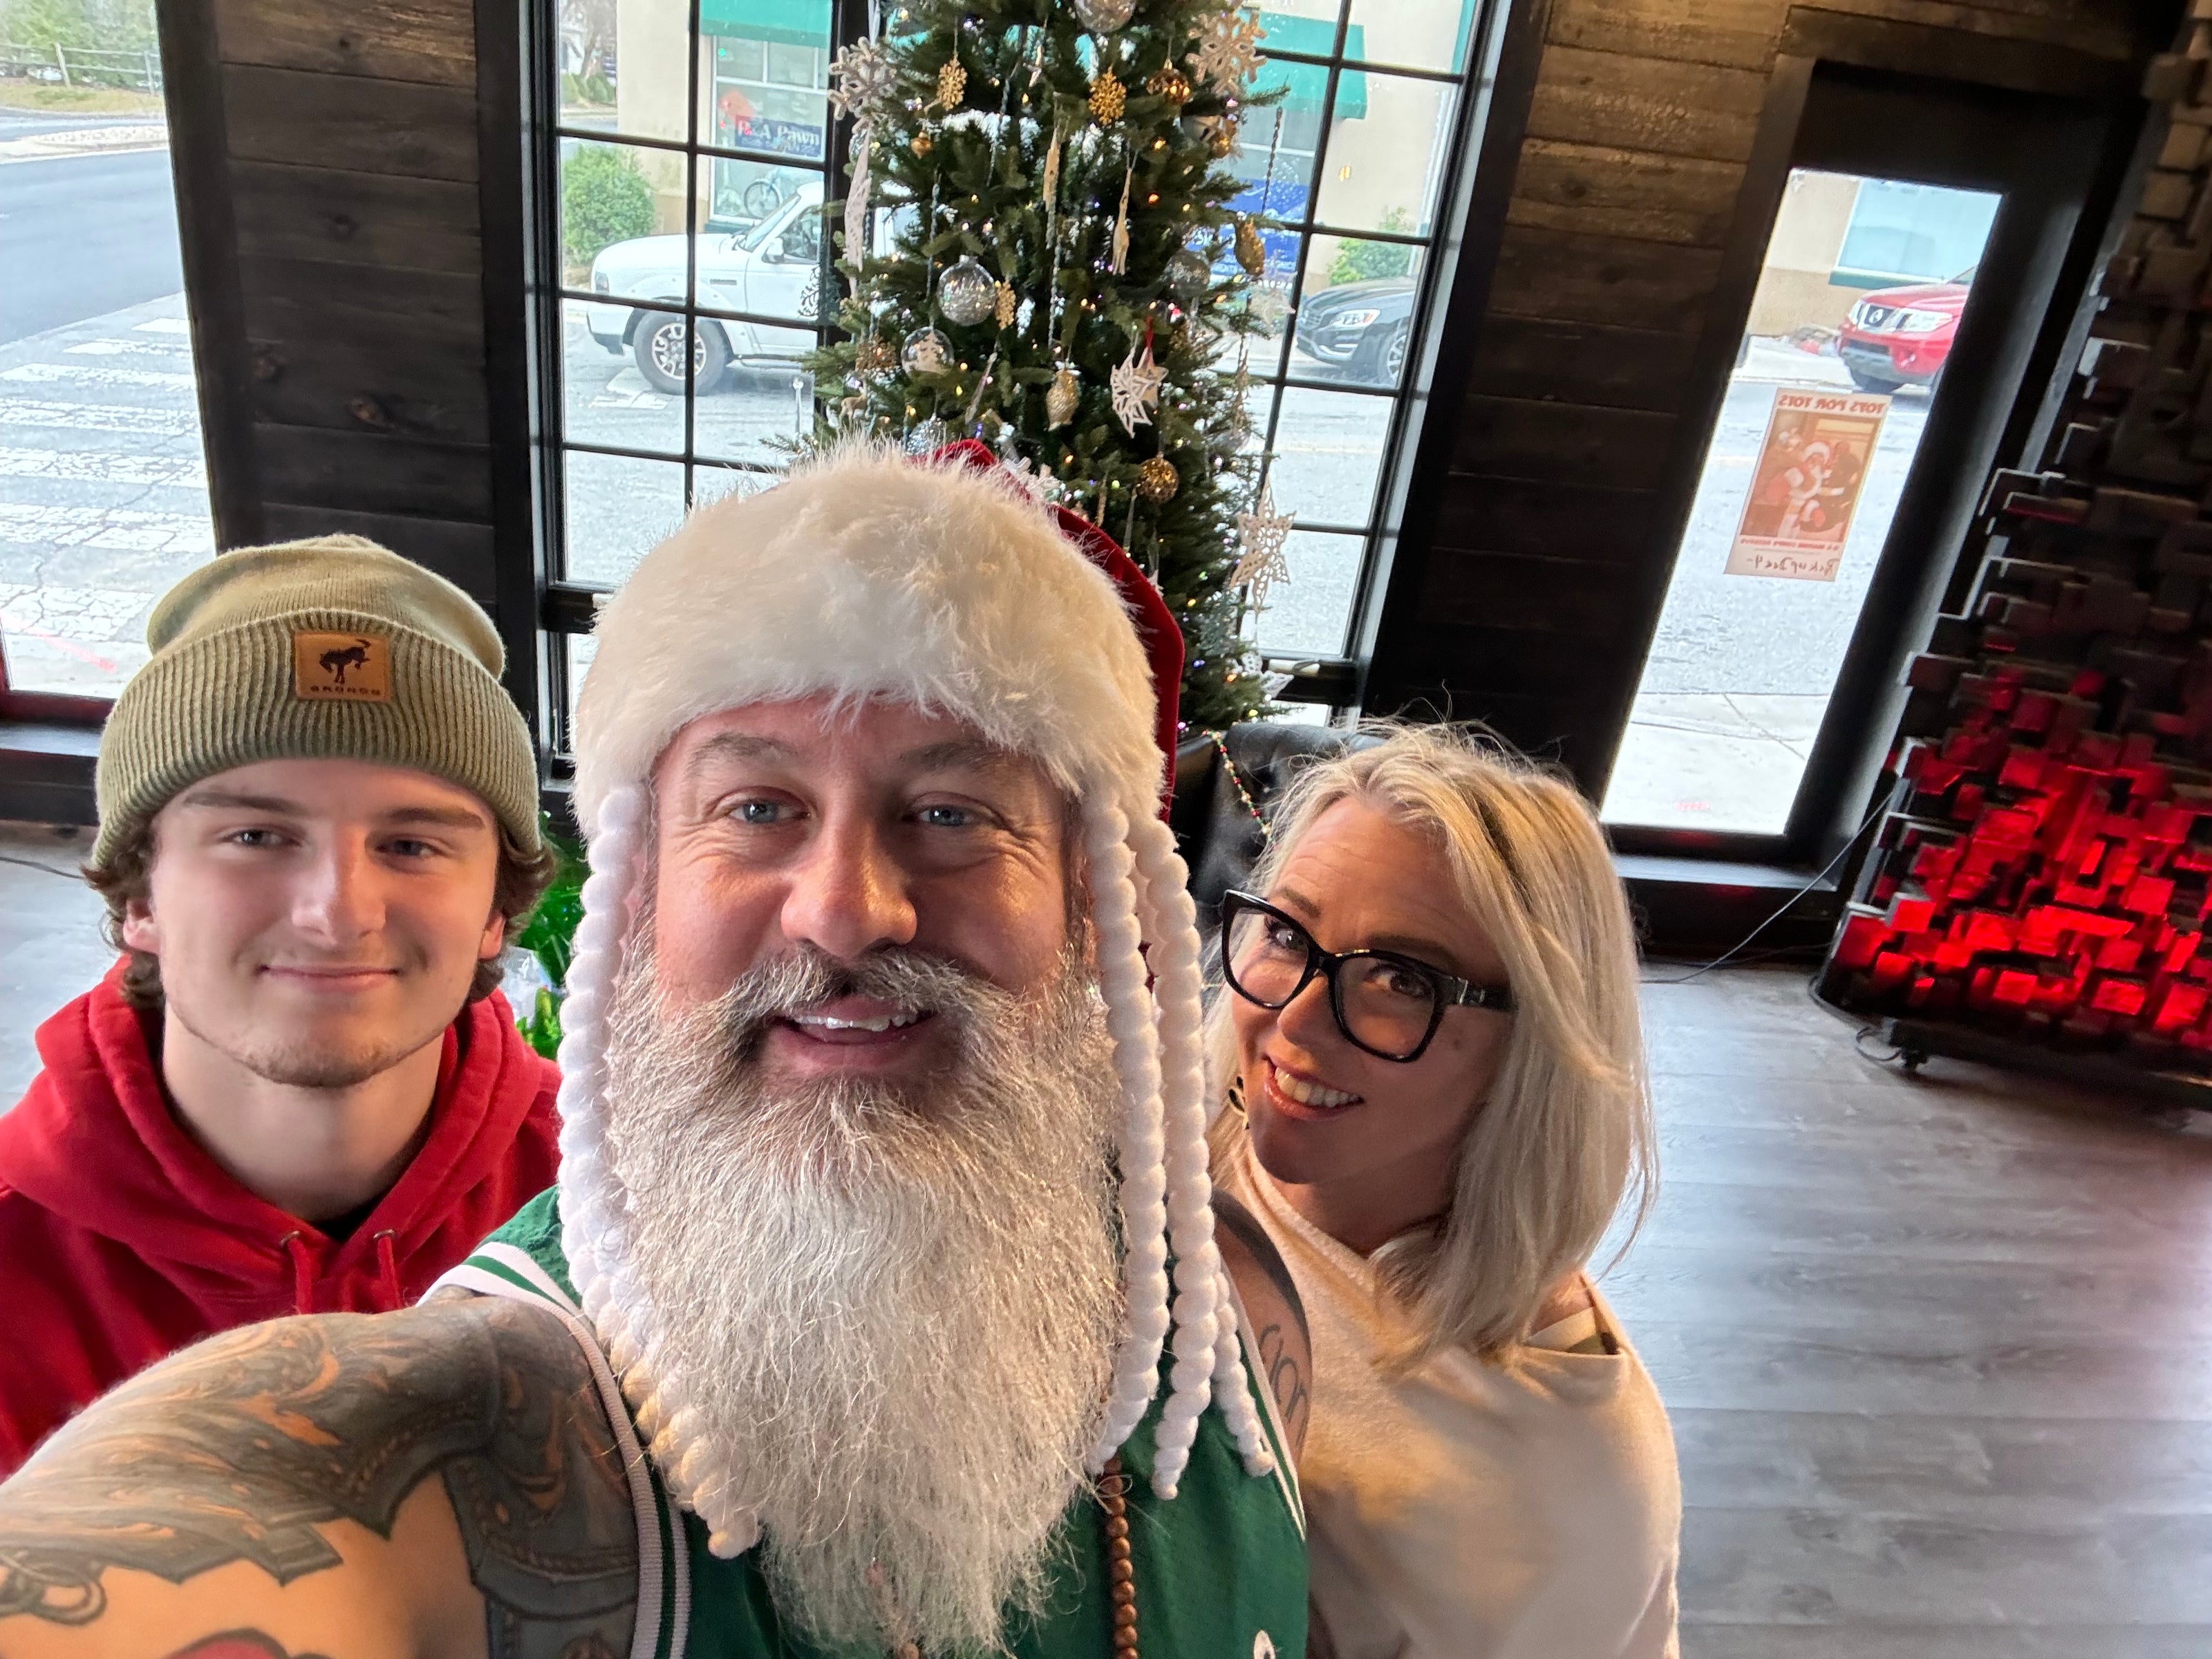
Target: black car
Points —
{"points": [[1360, 329]]}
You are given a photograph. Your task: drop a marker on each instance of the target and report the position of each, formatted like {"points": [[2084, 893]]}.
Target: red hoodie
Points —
{"points": [[121, 1240]]}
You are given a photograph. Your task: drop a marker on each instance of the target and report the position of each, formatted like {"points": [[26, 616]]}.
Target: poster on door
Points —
{"points": [[1806, 486]]}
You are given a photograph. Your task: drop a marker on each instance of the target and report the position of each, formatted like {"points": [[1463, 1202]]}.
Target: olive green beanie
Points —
{"points": [[332, 648]]}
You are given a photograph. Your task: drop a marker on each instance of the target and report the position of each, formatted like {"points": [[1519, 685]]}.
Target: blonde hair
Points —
{"points": [[1565, 1133]]}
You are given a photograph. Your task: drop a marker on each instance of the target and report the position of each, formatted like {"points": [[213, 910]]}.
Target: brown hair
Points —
{"points": [[127, 874]]}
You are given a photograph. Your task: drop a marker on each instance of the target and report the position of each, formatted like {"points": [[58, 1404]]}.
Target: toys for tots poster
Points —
{"points": [[1807, 485]]}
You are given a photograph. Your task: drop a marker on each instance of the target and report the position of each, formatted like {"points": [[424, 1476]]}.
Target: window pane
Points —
{"points": [[1815, 439], [1418, 34], [1307, 612], [103, 490], [712, 483], [759, 403], [1355, 321], [607, 352], [621, 208], [772, 268], [764, 74], [1328, 451], [617, 509], [580, 648], [644, 65], [1385, 153]]}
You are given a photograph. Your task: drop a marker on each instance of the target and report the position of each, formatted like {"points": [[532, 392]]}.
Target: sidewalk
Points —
{"points": [[1713, 760]]}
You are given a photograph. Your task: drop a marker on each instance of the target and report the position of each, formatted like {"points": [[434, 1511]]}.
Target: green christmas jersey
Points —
{"points": [[1219, 1570]]}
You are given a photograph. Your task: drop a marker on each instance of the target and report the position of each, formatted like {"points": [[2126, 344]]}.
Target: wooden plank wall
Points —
{"points": [[349, 164], [1533, 602]]}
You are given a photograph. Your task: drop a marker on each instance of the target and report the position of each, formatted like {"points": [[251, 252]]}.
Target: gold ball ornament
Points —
{"points": [[1157, 480], [1221, 139], [1060, 397], [1108, 98], [951, 84], [872, 355], [1169, 82], [1251, 251]]}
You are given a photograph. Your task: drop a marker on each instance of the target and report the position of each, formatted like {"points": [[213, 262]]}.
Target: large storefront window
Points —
{"points": [[103, 487]]}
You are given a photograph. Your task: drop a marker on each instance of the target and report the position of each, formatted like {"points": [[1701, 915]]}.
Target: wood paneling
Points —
{"points": [[459, 551], [348, 121], [1498, 515], [1910, 48], [438, 315], [1511, 590], [1543, 359], [1729, 34], [1621, 192], [1561, 443], [421, 40], [1601, 279], [357, 218], [309, 467], [352, 389], [1654, 105]]}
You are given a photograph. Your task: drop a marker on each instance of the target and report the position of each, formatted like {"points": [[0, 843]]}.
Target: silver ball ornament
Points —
{"points": [[926, 351], [1105, 16], [966, 292], [1189, 276]]}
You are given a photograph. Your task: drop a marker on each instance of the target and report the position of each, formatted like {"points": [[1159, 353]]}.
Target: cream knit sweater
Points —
{"points": [[1468, 1511]]}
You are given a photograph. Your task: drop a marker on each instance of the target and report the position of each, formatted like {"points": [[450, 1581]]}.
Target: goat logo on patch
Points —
{"points": [[341, 668]]}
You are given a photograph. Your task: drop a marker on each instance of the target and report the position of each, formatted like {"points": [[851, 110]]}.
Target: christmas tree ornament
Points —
{"points": [[1157, 479], [951, 84], [926, 351], [1105, 16], [975, 403], [931, 434], [1188, 275], [1006, 307], [1220, 132], [923, 143], [1135, 387], [1228, 51], [1108, 98], [1061, 398], [872, 355], [1051, 173], [862, 81], [1169, 82], [1118, 249], [1260, 534], [1251, 251], [966, 292]]}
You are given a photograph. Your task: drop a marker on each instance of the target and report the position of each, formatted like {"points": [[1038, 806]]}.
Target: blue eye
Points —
{"points": [[759, 811], [946, 818]]}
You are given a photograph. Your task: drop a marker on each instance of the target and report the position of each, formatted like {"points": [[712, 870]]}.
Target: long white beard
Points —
{"points": [[889, 1314]]}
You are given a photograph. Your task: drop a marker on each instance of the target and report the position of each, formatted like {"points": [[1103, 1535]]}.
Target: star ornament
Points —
{"points": [[1135, 388], [1228, 51], [1260, 533]]}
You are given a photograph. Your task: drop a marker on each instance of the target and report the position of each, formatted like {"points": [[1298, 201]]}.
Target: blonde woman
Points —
{"points": [[1429, 1044]]}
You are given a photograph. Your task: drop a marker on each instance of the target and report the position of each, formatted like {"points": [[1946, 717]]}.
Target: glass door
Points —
{"points": [[1858, 303]]}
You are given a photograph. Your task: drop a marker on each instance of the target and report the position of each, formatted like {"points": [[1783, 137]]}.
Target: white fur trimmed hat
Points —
{"points": [[941, 583]]}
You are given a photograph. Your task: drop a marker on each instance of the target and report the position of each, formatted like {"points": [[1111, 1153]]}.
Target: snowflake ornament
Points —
{"points": [[1135, 388], [1228, 51], [861, 80], [1260, 534]]}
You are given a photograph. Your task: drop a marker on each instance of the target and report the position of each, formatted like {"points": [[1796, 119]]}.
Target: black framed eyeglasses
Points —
{"points": [[1387, 1005]]}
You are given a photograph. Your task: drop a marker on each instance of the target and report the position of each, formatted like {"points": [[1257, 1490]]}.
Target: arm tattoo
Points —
{"points": [[243, 1447], [1230, 1215], [1285, 1379]]}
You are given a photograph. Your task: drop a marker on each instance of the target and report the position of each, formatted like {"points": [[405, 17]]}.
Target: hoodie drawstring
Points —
{"points": [[303, 1273], [387, 1259]]}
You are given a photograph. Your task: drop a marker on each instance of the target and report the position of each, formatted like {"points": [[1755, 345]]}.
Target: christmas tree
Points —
{"points": [[1037, 251]]}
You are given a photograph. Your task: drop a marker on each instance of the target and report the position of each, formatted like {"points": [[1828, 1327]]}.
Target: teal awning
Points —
{"points": [[787, 22], [1308, 84]]}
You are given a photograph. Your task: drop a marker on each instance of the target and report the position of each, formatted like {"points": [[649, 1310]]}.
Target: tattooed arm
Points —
{"points": [[436, 1484], [1284, 1355]]}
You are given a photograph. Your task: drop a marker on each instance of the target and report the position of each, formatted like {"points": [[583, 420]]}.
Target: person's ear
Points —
{"points": [[495, 938], [139, 930]]}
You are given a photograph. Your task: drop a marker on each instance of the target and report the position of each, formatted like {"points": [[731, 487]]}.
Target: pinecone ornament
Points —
{"points": [[1251, 251]]}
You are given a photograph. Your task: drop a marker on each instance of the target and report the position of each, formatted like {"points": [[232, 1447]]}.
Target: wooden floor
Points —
{"points": [[1938, 1350]]}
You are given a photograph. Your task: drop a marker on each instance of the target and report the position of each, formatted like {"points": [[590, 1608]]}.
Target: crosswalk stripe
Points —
{"points": [[180, 352], [116, 529], [72, 374], [93, 467], [97, 418], [164, 326]]}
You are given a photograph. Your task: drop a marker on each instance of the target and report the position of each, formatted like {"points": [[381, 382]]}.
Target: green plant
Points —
{"points": [[604, 199], [1366, 261], [548, 933], [1130, 262], [594, 89]]}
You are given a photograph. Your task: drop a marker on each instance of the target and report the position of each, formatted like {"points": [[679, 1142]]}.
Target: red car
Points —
{"points": [[1901, 336]]}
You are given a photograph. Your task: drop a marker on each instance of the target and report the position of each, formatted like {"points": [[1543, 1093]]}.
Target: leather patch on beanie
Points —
{"points": [[341, 668]]}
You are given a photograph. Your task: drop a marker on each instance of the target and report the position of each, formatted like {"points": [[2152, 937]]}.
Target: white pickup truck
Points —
{"points": [[772, 270]]}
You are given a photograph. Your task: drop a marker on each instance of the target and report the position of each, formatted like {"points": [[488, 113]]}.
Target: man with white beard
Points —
{"points": [[879, 1308]]}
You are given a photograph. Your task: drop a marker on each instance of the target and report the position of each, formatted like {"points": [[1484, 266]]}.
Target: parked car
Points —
{"points": [[772, 270], [1359, 329], [1902, 336]]}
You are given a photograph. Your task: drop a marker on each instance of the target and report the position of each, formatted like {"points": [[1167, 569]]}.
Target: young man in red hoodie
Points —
{"points": [[298, 1091]]}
